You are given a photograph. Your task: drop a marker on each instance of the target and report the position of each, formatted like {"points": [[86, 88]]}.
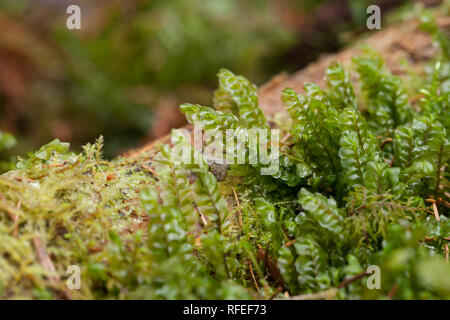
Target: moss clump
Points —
{"points": [[65, 205]]}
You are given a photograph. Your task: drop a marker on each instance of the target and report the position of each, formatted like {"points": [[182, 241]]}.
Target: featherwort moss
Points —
{"points": [[355, 188]]}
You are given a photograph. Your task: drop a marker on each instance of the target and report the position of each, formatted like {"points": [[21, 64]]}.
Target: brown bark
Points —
{"points": [[400, 42]]}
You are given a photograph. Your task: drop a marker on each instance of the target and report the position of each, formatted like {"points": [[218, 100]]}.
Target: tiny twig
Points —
{"points": [[238, 206], [285, 138], [153, 172], [436, 212], [46, 262], [12, 212], [55, 165], [391, 163], [385, 141], [253, 275], [435, 209], [279, 289], [290, 243], [202, 217], [346, 282], [442, 201], [16, 219], [44, 259], [393, 291]]}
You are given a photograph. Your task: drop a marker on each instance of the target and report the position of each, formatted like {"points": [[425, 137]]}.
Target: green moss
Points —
{"points": [[156, 228], [70, 202]]}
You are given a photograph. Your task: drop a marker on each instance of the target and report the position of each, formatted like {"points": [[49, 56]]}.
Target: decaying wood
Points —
{"points": [[396, 43]]}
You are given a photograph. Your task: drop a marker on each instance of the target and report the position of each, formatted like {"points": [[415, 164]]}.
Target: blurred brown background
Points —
{"points": [[125, 72]]}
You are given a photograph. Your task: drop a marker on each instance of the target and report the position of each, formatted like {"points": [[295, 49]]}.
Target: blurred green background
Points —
{"points": [[125, 72]]}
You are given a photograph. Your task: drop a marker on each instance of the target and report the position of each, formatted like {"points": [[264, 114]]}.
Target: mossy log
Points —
{"points": [[63, 209]]}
